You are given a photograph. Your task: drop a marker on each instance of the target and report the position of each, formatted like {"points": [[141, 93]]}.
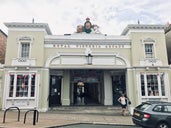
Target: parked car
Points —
{"points": [[153, 114]]}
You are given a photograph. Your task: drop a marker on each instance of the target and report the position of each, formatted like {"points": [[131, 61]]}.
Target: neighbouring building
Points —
{"points": [[87, 67], [168, 42], [3, 41]]}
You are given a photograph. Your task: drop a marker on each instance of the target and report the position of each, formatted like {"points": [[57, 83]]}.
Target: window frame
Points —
{"points": [[168, 110], [29, 91], [157, 107], [25, 54], [149, 41], [149, 55], [160, 94], [25, 40]]}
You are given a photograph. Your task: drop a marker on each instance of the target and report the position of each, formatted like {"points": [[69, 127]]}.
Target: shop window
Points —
{"points": [[32, 85], [152, 84], [22, 85], [142, 86], [11, 86]]}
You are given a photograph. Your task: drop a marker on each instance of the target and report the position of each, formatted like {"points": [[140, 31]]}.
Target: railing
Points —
{"points": [[35, 113], [10, 109]]}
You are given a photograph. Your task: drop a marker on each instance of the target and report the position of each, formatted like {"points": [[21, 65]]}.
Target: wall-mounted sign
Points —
{"points": [[85, 46]]}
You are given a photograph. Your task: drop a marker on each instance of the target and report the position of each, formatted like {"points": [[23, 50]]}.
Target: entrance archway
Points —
{"points": [[86, 87]]}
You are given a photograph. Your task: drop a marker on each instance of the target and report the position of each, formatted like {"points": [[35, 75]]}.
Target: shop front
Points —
{"points": [[21, 89]]}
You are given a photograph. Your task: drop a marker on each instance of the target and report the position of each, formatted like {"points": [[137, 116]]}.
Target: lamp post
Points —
{"points": [[89, 59]]}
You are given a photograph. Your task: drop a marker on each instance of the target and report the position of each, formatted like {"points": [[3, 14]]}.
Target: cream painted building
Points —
{"points": [[84, 68]]}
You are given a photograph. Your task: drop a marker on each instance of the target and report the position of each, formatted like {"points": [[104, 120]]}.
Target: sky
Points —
{"points": [[63, 16]]}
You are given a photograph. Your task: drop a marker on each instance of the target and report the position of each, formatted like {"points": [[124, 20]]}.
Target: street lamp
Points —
{"points": [[89, 59]]}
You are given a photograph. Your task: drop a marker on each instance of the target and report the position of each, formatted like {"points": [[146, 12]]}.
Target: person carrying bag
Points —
{"points": [[123, 102]]}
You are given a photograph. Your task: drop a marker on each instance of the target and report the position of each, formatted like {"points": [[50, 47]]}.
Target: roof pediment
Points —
{"points": [[142, 27], [19, 25]]}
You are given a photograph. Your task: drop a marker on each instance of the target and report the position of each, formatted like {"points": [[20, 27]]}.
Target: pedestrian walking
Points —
{"points": [[123, 102]]}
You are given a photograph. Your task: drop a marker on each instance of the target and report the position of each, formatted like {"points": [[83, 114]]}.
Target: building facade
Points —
{"points": [[84, 68]]}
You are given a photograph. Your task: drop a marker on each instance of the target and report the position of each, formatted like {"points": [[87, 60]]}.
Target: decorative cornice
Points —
{"points": [[142, 27], [29, 25], [83, 39], [149, 40]]}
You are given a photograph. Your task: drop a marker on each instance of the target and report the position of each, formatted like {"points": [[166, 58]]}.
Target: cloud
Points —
{"points": [[64, 15]]}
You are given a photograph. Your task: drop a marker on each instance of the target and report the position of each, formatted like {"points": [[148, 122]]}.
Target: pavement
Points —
{"points": [[62, 116]]}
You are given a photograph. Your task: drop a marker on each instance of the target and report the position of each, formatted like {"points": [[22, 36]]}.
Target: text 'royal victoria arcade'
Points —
{"points": [[84, 68]]}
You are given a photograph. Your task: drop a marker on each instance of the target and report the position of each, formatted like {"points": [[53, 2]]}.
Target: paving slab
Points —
{"points": [[56, 118]]}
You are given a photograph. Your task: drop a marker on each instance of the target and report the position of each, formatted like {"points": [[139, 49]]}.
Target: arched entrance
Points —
{"points": [[86, 87]]}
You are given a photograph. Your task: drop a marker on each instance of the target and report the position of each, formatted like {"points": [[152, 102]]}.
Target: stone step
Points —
{"points": [[102, 110]]}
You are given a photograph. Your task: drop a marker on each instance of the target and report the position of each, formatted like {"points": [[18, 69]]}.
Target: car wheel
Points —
{"points": [[162, 125]]}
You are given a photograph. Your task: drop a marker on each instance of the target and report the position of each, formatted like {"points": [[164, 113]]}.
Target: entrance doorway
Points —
{"points": [[55, 91], [88, 94], [86, 87], [119, 87]]}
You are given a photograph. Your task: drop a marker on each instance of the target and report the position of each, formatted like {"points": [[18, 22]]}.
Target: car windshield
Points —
{"points": [[143, 106]]}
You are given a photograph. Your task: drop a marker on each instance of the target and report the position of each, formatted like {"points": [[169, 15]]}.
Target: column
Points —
{"points": [[65, 90], [108, 99]]}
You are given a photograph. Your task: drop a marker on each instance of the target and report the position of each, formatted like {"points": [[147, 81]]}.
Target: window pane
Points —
{"points": [[149, 50], [157, 108], [152, 85], [25, 47], [22, 86], [162, 84], [167, 108], [143, 106], [32, 85], [142, 85], [11, 87]]}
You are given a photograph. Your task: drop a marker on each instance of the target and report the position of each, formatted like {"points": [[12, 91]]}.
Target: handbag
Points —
{"points": [[129, 102]]}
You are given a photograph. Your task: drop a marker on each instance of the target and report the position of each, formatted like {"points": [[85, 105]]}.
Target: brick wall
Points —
{"points": [[3, 41]]}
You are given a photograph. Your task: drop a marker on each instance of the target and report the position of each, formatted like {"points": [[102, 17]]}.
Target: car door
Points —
{"points": [[167, 111]]}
